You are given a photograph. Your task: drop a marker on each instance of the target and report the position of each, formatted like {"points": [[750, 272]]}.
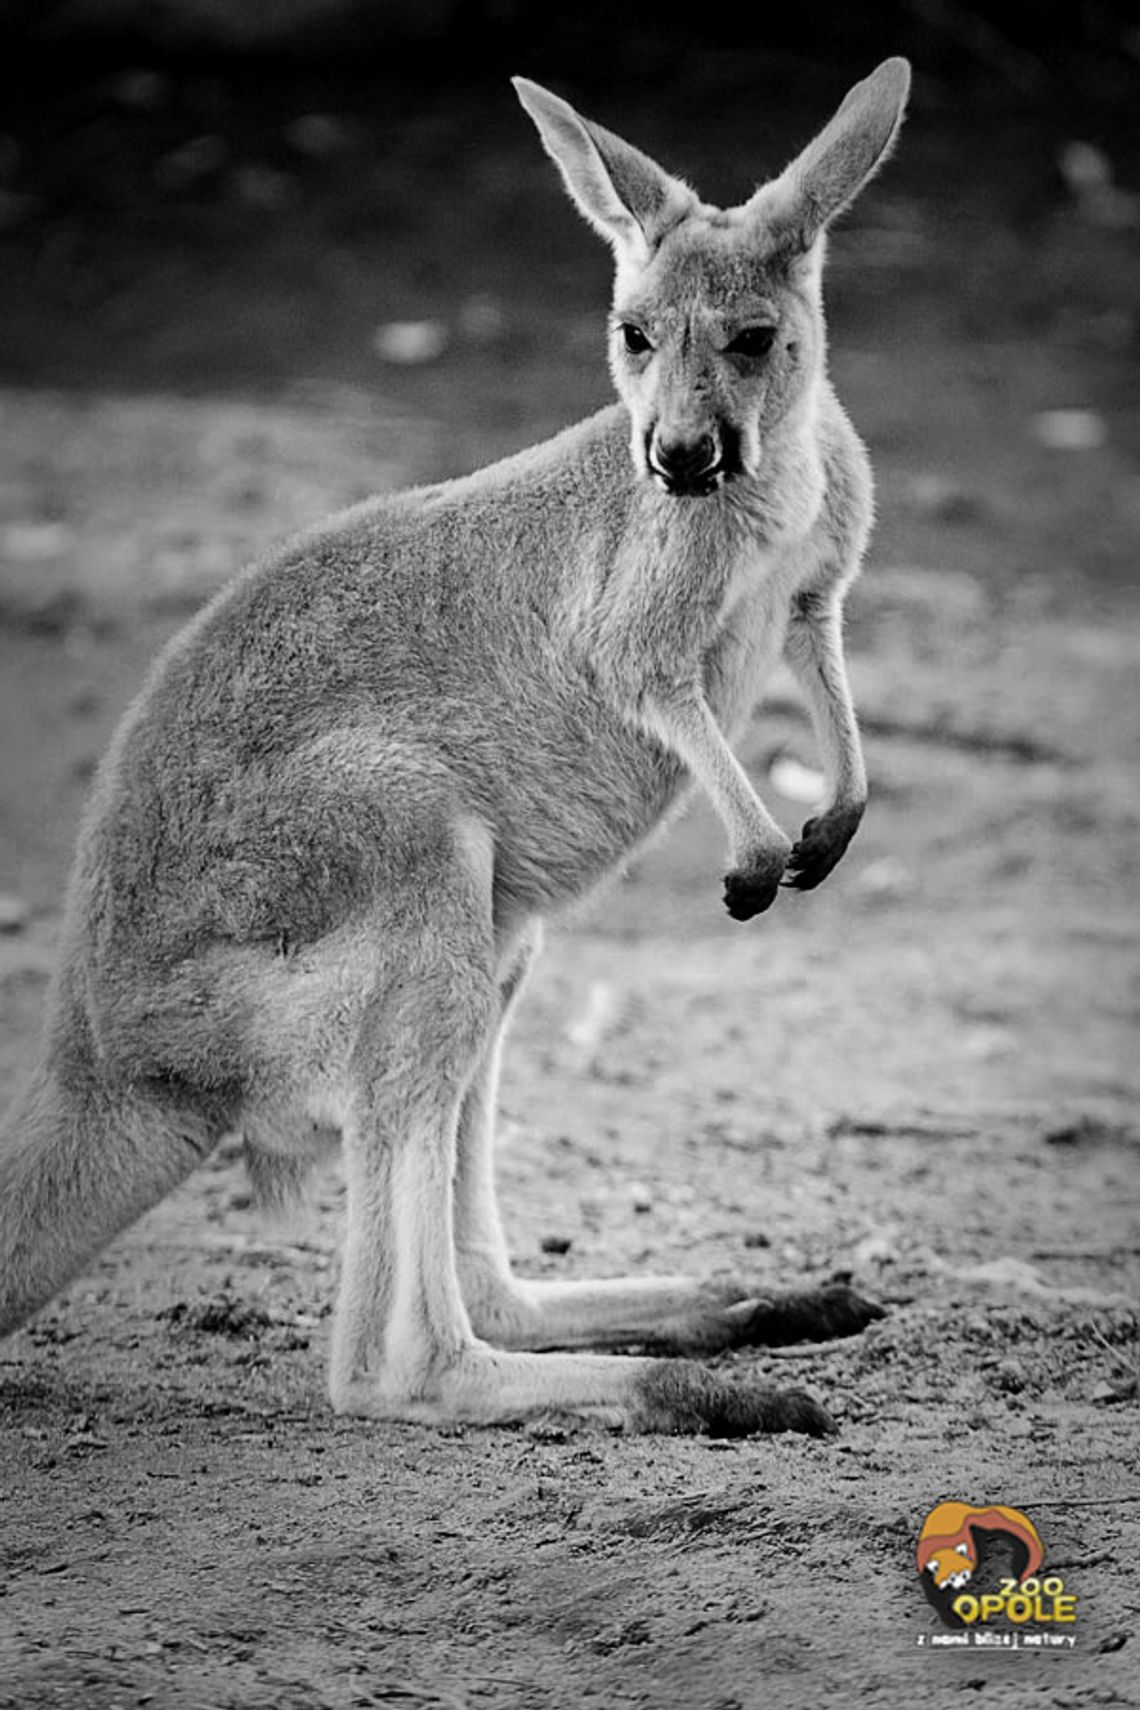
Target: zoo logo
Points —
{"points": [[955, 1538]]}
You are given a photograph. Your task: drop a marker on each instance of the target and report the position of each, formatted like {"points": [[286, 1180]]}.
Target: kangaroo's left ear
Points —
{"points": [[832, 170], [625, 196]]}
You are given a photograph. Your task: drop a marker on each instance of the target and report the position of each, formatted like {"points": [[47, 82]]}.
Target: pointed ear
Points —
{"points": [[625, 196], [832, 170]]}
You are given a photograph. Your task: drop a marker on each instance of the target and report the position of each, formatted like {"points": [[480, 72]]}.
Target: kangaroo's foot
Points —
{"points": [[670, 1315], [483, 1386], [809, 1315], [750, 1318], [682, 1397]]}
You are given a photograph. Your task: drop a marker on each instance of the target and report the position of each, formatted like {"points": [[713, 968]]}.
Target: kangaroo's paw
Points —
{"points": [[679, 1397], [821, 846], [754, 886], [813, 1315]]}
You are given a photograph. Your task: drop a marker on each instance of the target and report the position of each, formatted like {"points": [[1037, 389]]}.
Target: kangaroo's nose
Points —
{"points": [[684, 464]]}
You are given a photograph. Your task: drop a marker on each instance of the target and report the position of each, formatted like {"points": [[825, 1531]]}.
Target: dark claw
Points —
{"points": [[814, 1315]]}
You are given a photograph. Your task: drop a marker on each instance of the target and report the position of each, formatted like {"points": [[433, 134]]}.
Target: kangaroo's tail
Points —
{"points": [[76, 1167]]}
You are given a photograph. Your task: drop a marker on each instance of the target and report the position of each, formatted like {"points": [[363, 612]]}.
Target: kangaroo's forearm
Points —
{"points": [[813, 648], [683, 723]]}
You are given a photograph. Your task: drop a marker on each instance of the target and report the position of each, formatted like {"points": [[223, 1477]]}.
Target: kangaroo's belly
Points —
{"points": [[588, 799]]}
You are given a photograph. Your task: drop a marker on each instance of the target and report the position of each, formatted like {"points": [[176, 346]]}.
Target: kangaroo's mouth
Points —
{"points": [[693, 486], [685, 469], [693, 469]]}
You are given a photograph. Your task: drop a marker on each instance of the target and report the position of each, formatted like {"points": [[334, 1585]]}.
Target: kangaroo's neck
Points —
{"points": [[779, 503], [666, 592]]}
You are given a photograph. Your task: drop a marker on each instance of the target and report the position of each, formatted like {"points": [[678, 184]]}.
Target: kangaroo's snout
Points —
{"points": [[688, 467]]}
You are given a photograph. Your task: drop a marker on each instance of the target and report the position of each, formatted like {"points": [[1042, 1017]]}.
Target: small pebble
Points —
{"points": [[409, 342], [14, 914], [640, 1197], [1011, 1376], [1070, 430], [885, 879]]}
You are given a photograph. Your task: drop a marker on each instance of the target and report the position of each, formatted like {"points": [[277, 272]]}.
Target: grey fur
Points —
{"points": [[310, 878]]}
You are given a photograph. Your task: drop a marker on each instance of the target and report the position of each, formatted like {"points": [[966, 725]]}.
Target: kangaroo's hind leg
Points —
{"points": [[491, 1294], [670, 1314], [403, 1343]]}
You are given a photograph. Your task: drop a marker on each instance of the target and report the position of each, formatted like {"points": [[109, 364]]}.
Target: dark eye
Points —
{"points": [[753, 341], [635, 340]]}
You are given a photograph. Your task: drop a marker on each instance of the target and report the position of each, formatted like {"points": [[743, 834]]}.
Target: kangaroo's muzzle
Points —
{"points": [[688, 467]]}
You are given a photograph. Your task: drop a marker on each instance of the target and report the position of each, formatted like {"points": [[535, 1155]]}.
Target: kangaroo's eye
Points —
{"points": [[753, 341], [635, 340]]}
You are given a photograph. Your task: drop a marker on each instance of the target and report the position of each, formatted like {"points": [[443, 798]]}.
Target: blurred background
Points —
{"points": [[207, 196], [338, 203]]}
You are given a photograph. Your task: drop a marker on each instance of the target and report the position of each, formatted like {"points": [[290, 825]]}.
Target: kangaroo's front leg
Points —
{"points": [[813, 649], [683, 722]]}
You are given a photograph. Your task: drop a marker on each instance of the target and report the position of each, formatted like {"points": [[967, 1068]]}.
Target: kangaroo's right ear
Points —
{"points": [[625, 196], [832, 170]]}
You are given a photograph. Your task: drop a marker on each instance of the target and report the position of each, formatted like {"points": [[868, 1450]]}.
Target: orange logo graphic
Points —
{"points": [[950, 1542]]}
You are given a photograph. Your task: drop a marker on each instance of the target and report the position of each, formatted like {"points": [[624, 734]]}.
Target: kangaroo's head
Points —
{"points": [[717, 333]]}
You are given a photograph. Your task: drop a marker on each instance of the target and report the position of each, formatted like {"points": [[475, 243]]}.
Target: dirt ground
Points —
{"points": [[924, 1075]]}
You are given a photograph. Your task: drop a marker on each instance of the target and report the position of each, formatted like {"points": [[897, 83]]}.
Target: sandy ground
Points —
{"points": [[924, 1075]]}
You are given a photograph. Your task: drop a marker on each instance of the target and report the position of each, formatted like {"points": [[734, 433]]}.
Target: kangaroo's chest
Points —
{"points": [[748, 638], [606, 785]]}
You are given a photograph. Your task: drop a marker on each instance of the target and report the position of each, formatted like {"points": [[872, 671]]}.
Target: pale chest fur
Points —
{"points": [[755, 562], [690, 577], [717, 618], [750, 635]]}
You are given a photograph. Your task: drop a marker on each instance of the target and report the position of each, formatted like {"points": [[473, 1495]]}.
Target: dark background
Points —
{"points": [[217, 199], [236, 199], [171, 214]]}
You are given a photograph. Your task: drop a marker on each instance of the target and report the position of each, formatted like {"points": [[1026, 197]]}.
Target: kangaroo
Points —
{"points": [[320, 849]]}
